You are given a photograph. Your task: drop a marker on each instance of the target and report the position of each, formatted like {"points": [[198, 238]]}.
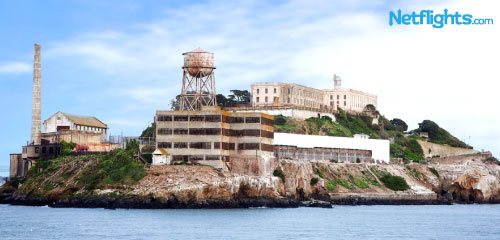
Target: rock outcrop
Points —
{"points": [[463, 179]]}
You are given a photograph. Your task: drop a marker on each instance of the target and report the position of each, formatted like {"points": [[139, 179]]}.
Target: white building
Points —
{"points": [[276, 94], [379, 148], [83, 130]]}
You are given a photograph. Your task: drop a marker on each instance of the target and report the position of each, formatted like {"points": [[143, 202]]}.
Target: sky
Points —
{"points": [[121, 60]]}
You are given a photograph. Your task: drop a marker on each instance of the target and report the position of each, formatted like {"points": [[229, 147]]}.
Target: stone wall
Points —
{"points": [[434, 150]]}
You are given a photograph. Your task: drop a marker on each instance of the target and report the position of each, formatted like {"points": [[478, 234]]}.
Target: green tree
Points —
{"points": [[175, 104], [400, 124], [149, 132], [67, 148], [279, 120]]}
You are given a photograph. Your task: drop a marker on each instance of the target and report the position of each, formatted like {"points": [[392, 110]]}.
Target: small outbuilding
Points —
{"points": [[161, 157]]}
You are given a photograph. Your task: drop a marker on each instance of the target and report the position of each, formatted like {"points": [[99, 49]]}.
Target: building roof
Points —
{"points": [[85, 120], [379, 147], [161, 151]]}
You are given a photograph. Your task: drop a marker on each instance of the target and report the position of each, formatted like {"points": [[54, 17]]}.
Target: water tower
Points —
{"points": [[198, 80]]}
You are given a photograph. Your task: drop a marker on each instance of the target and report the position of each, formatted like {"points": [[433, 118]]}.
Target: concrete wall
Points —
{"points": [[433, 150], [290, 112]]}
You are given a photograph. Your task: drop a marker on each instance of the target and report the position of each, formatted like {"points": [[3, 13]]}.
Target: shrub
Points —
{"points": [[345, 183], [314, 180], [434, 171], [330, 185], [279, 173], [279, 120], [67, 148], [395, 183], [361, 183]]}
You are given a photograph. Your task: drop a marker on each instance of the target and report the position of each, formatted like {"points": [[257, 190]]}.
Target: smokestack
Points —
{"points": [[36, 121]]}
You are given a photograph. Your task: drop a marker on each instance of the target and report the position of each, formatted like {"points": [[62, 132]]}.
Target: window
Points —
{"points": [[212, 118], [212, 157], [180, 118], [181, 131], [257, 99], [216, 145], [37, 149], [265, 90], [164, 131], [267, 147], [345, 97], [165, 145], [345, 103], [195, 158], [200, 145], [227, 146], [268, 122], [204, 131], [265, 100], [180, 145], [267, 134], [288, 100], [289, 91], [44, 150], [274, 90], [258, 91], [51, 150], [164, 118], [236, 120], [197, 118], [251, 132], [331, 97], [252, 119], [338, 97], [248, 146], [183, 158]]}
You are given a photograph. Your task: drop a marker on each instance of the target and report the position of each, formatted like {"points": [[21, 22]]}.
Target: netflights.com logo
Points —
{"points": [[436, 20]]}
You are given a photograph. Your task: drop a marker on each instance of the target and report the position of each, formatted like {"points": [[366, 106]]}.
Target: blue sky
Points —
{"points": [[121, 60]]}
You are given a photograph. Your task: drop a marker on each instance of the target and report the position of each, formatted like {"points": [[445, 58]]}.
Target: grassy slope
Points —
{"points": [[66, 175]]}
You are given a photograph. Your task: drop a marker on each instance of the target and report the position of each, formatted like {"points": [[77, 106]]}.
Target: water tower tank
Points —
{"points": [[199, 63]]}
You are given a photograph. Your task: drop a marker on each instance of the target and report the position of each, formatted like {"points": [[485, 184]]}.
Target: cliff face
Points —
{"points": [[470, 178]]}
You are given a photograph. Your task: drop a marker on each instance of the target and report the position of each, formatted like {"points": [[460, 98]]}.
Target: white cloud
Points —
{"points": [[448, 75], [15, 67]]}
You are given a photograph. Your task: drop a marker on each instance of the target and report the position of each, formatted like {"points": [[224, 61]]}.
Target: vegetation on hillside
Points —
{"points": [[86, 172], [403, 145], [439, 135]]}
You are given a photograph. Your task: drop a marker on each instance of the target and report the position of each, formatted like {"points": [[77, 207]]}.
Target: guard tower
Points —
{"points": [[198, 80], [337, 82]]}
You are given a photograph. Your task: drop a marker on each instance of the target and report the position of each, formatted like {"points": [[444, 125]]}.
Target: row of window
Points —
{"points": [[265, 90], [216, 145], [338, 97], [216, 131], [185, 118], [207, 118], [185, 158]]}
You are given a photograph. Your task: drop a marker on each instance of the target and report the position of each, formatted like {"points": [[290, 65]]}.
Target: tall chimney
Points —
{"points": [[36, 121]]}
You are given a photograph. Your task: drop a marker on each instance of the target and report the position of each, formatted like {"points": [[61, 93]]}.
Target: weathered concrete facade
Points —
{"points": [[275, 94], [212, 136], [336, 155]]}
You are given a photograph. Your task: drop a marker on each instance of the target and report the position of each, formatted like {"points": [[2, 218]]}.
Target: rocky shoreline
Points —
{"points": [[151, 203], [462, 180]]}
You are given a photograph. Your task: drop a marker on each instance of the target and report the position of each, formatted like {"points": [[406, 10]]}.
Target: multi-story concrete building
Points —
{"points": [[275, 94], [212, 136]]}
